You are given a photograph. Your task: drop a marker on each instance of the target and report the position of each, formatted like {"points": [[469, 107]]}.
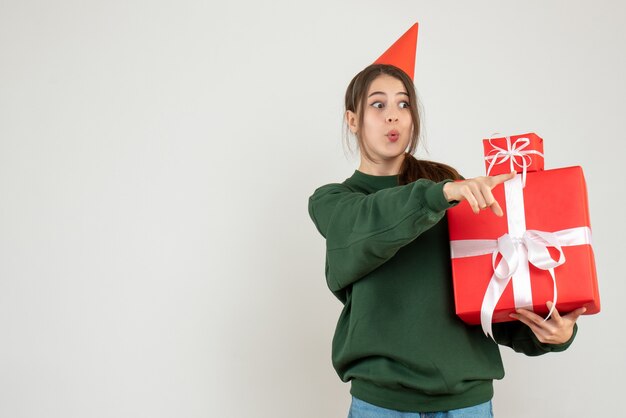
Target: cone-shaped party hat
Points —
{"points": [[402, 52]]}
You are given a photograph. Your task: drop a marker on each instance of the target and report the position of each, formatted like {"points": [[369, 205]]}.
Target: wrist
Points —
{"points": [[446, 192]]}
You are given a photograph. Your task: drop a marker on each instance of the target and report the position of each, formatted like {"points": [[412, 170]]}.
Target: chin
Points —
{"points": [[393, 156]]}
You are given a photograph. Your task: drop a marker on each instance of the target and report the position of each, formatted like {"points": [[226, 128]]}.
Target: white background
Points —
{"points": [[156, 157]]}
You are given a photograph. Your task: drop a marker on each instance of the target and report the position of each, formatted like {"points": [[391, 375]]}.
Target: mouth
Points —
{"points": [[393, 135]]}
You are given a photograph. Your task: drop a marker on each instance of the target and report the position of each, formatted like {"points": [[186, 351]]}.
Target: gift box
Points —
{"points": [[539, 251], [520, 153]]}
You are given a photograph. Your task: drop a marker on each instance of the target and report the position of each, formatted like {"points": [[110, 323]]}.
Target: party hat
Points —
{"points": [[402, 52]]}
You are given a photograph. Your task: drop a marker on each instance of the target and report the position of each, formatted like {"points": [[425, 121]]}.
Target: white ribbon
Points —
{"points": [[515, 153], [519, 248]]}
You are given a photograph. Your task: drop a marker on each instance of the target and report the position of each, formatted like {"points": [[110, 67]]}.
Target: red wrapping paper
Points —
{"points": [[554, 200], [534, 161]]}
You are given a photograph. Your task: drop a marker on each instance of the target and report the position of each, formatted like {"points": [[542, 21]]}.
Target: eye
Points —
{"points": [[404, 105], [377, 105]]}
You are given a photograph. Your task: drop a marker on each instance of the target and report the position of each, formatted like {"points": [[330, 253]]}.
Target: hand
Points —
{"points": [[477, 192], [556, 330]]}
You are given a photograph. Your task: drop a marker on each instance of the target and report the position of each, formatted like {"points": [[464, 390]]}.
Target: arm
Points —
{"points": [[364, 231]]}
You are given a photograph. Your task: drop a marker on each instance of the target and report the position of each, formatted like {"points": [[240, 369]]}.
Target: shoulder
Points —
{"points": [[328, 196], [331, 188], [324, 201]]}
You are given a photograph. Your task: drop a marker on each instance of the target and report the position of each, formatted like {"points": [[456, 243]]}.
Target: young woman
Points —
{"points": [[398, 340]]}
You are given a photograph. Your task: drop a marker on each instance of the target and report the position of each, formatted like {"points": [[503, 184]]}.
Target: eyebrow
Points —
{"points": [[380, 92]]}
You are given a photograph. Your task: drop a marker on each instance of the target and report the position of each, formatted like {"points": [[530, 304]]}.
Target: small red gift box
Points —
{"points": [[541, 246], [514, 153]]}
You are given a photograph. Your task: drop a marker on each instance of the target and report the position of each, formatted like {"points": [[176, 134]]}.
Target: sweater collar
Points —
{"points": [[373, 183]]}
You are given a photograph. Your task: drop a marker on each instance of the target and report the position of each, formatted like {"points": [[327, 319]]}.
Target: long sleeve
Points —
{"points": [[363, 230]]}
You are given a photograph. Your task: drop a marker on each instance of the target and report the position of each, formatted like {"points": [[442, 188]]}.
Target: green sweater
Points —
{"points": [[398, 339]]}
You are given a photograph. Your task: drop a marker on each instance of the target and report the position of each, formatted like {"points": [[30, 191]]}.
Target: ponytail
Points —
{"points": [[413, 169]]}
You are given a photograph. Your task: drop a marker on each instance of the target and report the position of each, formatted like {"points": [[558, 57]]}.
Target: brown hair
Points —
{"points": [[412, 168]]}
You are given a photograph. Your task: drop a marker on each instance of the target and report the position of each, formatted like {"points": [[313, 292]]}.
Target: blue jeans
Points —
{"points": [[362, 409]]}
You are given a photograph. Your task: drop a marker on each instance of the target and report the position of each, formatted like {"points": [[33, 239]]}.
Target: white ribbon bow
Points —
{"points": [[513, 152]]}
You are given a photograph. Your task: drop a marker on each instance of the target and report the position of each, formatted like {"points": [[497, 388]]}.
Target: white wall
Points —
{"points": [[156, 256]]}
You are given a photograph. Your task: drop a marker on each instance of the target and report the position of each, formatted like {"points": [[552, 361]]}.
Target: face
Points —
{"points": [[387, 124]]}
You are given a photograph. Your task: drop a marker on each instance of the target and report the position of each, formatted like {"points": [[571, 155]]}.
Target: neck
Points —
{"points": [[381, 168]]}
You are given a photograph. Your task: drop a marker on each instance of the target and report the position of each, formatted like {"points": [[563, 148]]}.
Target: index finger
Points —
{"points": [[501, 178]]}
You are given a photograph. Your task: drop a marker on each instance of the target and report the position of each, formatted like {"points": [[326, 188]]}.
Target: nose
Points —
{"points": [[391, 117]]}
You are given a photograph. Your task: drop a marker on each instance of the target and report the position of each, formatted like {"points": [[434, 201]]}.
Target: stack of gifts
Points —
{"points": [[539, 251]]}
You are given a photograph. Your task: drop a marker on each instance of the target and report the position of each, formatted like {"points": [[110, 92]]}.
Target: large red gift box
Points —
{"points": [[549, 211]]}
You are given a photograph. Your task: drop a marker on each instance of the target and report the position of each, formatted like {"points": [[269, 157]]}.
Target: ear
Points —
{"points": [[352, 121]]}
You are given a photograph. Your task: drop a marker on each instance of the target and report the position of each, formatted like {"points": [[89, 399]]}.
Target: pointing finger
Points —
{"points": [[501, 178]]}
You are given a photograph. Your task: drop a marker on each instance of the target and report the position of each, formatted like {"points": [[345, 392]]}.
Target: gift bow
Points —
{"points": [[512, 153], [535, 243], [532, 246]]}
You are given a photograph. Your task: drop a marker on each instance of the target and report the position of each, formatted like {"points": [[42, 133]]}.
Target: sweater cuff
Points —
{"points": [[436, 200], [555, 348]]}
